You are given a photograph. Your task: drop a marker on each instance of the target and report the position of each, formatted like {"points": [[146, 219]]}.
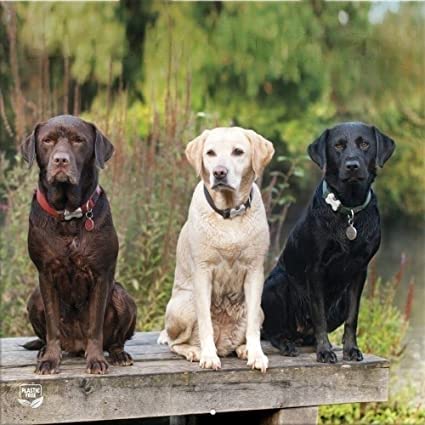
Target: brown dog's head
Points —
{"points": [[63, 146]]}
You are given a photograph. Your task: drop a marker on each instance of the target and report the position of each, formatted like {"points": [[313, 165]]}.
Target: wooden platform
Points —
{"points": [[162, 384]]}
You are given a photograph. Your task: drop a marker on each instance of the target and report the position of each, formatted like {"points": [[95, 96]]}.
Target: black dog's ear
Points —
{"points": [[385, 147], [103, 148], [317, 150], [28, 147]]}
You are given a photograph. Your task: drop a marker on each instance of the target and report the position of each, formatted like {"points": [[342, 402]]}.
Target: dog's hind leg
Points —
{"points": [[35, 308], [119, 325], [242, 352], [286, 346], [189, 352], [163, 337]]}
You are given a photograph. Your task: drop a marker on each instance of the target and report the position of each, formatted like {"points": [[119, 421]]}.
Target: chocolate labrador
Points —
{"points": [[78, 307], [318, 281]]}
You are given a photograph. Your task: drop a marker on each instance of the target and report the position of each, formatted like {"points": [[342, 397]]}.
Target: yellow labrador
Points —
{"points": [[215, 304]]}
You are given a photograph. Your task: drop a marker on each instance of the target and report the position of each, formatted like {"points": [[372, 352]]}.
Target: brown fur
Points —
{"points": [[78, 306]]}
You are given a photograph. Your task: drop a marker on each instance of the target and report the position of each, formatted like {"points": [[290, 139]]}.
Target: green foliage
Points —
{"points": [[18, 276], [382, 329], [91, 36], [291, 71], [392, 413]]}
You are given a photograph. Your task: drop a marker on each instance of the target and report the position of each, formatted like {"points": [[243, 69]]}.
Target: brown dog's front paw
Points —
{"points": [[120, 358], [48, 360], [47, 366], [352, 354], [326, 356], [97, 365]]}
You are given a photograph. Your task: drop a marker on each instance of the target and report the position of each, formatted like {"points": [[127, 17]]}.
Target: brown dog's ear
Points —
{"points": [[103, 148], [385, 147], [262, 151], [194, 151], [28, 147], [317, 150]]}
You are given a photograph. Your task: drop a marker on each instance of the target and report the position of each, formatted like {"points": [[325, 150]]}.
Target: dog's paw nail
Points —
{"points": [[121, 359], [326, 356], [258, 361], [97, 366], [210, 362], [353, 354], [47, 367], [242, 352]]}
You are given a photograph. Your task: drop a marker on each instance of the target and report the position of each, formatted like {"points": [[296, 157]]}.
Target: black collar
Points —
{"points": [[337, 205], [229, 212]]}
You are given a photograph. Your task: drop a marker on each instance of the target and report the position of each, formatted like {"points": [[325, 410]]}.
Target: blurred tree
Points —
{"points": [[287, 70], [290, 71]]}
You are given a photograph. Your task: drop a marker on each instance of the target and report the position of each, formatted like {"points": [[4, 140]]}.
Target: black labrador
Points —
{"points": [[318, 280], [78, 307]]}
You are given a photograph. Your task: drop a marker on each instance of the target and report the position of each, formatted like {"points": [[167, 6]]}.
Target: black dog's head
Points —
{"points": [[63, 146], [349, 153]]}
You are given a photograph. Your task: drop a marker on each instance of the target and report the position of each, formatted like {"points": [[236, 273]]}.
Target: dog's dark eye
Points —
{"points": [[339, 146], [363, 145], [210, 152], [78, 140], [237, 152], [47, 141]]}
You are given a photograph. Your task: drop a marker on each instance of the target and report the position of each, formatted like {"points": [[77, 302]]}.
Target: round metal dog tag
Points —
{"points": [[351, 232]]}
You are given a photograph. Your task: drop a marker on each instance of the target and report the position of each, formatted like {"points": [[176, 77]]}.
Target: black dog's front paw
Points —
{"points": [[352, 354], [326, 356]]}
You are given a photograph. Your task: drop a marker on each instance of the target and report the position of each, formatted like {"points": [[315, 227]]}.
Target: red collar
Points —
{"points": [[85, 209]]}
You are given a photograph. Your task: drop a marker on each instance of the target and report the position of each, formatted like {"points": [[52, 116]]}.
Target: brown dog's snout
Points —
{"points": [[220, 172], [61, 158]]}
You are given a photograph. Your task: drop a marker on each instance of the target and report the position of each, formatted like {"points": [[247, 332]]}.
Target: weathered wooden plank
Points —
{"points": [[293, 416], [142, 347], [162, 384]]}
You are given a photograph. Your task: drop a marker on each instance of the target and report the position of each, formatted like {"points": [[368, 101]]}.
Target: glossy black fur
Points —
{"points": [[319, 278]]}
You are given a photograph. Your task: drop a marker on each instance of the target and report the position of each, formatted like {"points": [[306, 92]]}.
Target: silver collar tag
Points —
{"points": [[234, 212], [351, 231], [69, 215], [333, 202]]}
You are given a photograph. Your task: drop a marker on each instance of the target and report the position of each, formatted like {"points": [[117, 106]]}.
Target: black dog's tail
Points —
{"points": [[35, 344]]}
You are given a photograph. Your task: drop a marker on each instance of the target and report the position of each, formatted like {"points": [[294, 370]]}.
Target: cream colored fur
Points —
{"points": [[215, 303]]}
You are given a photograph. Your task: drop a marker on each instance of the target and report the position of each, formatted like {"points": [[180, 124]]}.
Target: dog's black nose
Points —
{"points": [[352, 165], [61, 158], [220, 172]]}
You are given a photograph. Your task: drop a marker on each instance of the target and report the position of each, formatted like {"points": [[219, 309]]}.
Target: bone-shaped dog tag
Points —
{"points": [[333, 202], [69, 215]]}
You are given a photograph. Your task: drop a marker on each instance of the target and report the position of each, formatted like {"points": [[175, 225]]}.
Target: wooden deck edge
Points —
{"points": [[129, 397]]}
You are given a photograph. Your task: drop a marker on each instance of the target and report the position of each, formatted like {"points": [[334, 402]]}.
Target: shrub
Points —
{"points": [[381, 331]]}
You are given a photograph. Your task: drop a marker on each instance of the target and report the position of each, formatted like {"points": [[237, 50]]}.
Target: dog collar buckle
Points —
{"points": [[240, 210], [333, 202], [229, 213]]}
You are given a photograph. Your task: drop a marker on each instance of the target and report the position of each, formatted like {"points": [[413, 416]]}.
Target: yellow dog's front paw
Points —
{"points": [[257, 360], [210, 361]]}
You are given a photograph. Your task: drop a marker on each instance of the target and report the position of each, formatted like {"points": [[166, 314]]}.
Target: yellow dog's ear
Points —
{"points": [[194, 151], [262, 151]]}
